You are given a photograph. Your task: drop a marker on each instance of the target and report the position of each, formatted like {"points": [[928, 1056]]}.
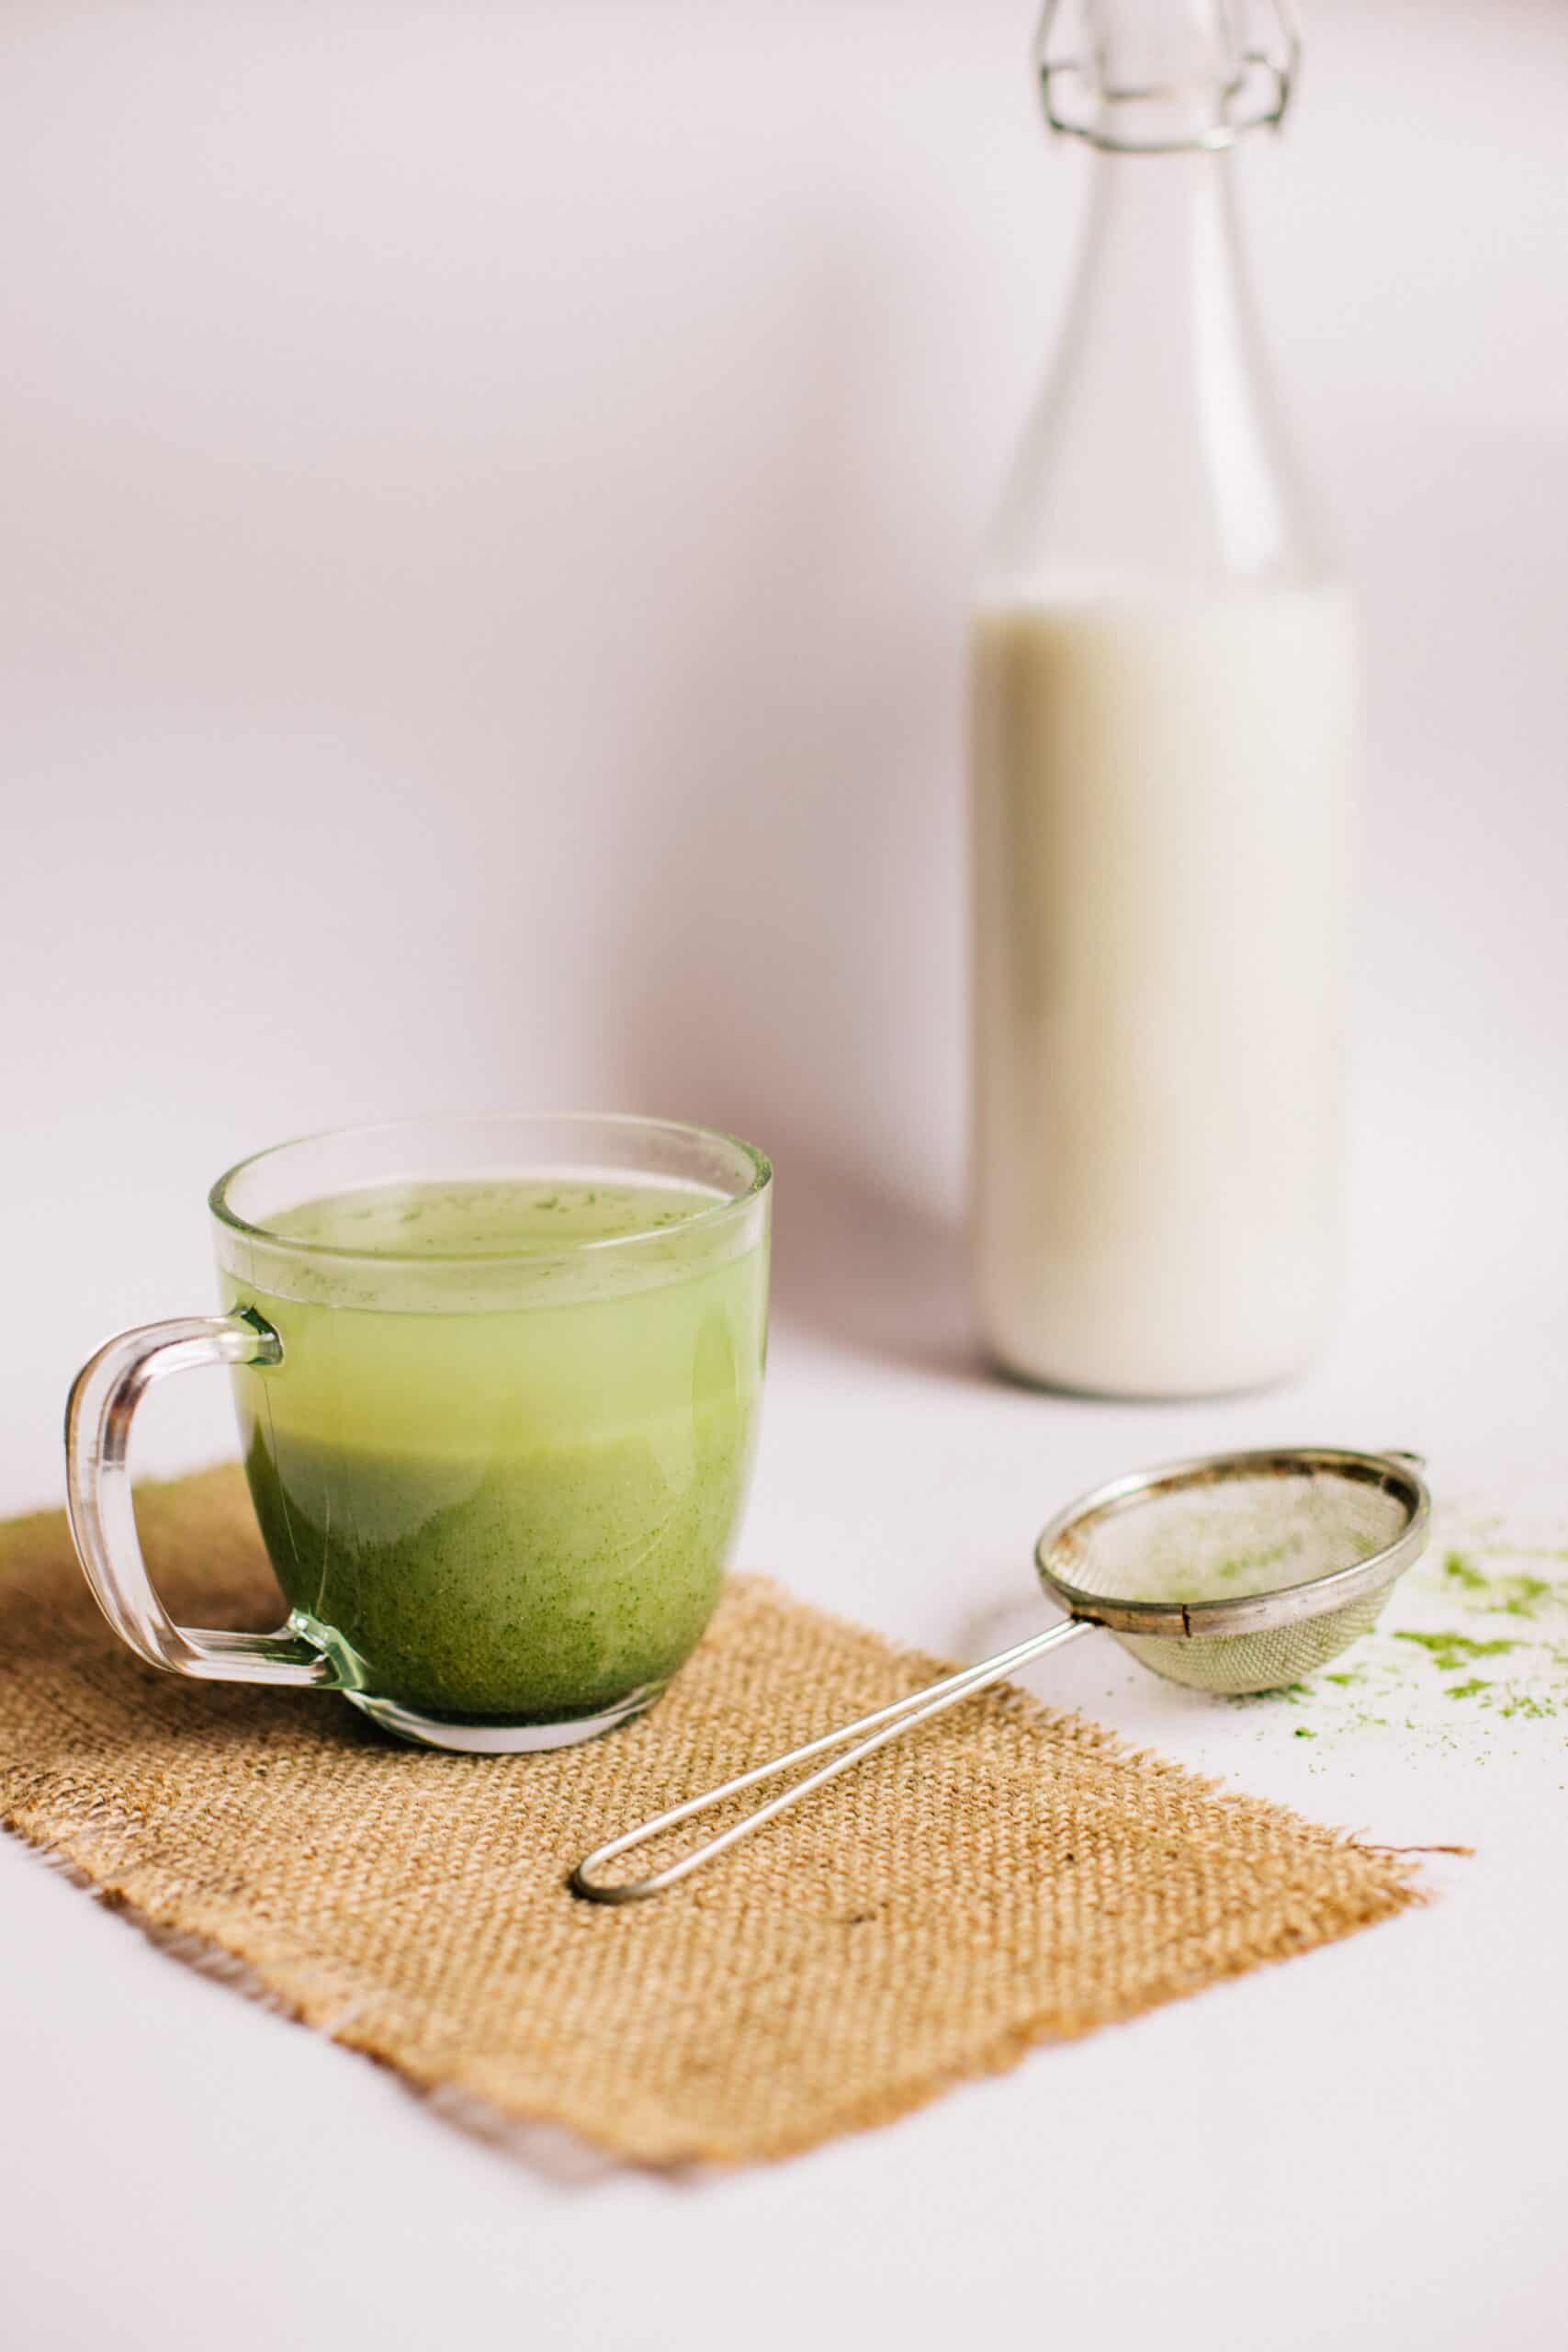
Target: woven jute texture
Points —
{"points": [[1005, 1876]]}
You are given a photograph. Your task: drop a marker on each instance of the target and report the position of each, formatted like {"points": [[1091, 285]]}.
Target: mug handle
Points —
{"points": [[104, 1397]]}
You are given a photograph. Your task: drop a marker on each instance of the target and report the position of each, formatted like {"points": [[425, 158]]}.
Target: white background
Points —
{"points": [[488, 498]]}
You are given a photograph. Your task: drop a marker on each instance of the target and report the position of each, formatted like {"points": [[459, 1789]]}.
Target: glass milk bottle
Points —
{"points": [[1163, 711]]}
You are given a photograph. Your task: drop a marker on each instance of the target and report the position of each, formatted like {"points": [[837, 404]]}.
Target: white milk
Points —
{"points": [[1162, 797]]}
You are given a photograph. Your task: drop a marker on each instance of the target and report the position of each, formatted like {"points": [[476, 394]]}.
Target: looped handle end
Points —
{"points": [[884, 1724], [104, 1397]]}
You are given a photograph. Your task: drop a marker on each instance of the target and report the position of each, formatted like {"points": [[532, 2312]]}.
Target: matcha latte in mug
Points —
{"points": [[498, 1382]]}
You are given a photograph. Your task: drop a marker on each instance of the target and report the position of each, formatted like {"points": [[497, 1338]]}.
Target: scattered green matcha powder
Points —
{"points": [[1517, 1616]]}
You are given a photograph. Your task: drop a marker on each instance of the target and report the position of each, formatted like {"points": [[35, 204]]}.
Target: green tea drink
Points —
{"points": [[502, 1462]]}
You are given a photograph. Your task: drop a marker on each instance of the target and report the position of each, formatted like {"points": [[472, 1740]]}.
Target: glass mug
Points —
{"points": [[498, 1382]]}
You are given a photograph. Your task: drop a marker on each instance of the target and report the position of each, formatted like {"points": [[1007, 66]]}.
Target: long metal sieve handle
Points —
{"points": [[894, 1720]]}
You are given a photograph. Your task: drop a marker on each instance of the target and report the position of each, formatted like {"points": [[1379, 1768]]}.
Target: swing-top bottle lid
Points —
{"points": [[1159, 77]]}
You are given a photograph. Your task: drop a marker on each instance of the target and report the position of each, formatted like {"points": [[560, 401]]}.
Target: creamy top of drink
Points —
{"points": [[478, 1243], [507, 1217]]}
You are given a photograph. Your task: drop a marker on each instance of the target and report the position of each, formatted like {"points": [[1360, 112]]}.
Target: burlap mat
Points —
{"points": [[1005, 1876]]}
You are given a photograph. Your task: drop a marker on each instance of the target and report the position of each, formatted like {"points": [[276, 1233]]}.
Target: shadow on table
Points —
{"points": [[551, 2152]]}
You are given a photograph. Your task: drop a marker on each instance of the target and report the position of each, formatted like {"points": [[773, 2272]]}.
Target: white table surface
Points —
{"points": [[1364, 2146]]}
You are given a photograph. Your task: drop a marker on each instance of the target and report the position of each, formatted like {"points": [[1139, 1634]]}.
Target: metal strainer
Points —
{"points": [[1232, 1573]]}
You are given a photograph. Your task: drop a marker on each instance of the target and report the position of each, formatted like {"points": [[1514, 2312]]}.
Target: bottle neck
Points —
{"points": [[1161, 238], [1156, 449]]}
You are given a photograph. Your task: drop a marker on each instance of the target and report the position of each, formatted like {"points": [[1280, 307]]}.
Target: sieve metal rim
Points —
{"points": [[1396, 1474]]}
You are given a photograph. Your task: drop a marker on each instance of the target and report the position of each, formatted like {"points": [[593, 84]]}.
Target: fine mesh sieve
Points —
{"points": [[1243, 1572], [1235, 1572]]}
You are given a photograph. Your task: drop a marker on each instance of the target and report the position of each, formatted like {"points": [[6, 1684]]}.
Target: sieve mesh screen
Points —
{"points": [[1235, 1662], [1225, 1537]]}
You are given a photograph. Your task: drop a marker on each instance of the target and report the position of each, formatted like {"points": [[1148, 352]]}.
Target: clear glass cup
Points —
{"points": [[498, 1382]]}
